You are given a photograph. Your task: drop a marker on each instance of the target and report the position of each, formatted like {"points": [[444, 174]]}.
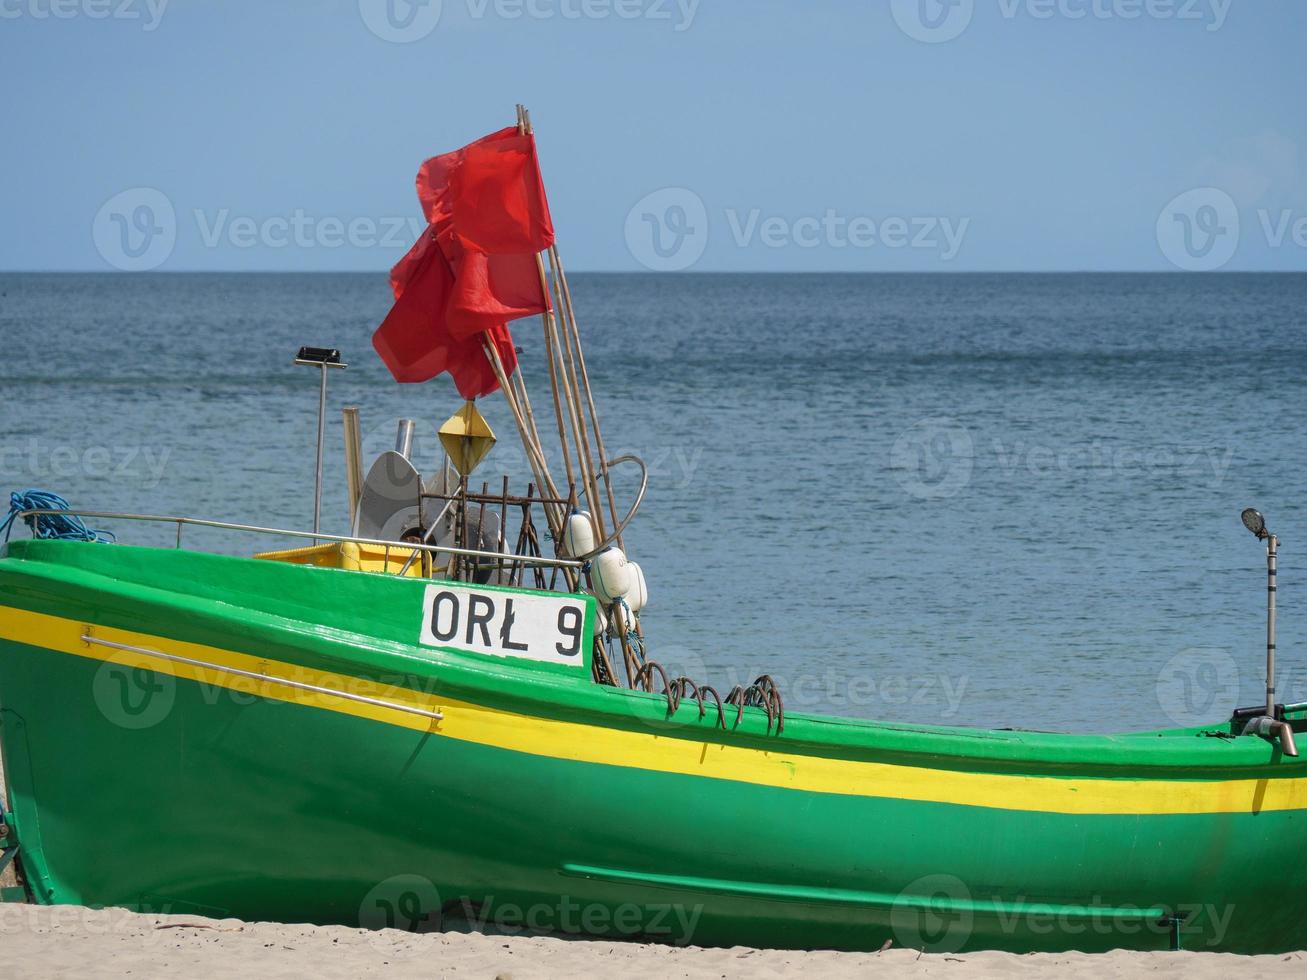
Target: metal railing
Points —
{"points": [[608, 542], [264, 677], [182, 522]]}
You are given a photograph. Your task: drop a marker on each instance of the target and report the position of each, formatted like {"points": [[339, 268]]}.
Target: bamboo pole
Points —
{"points": [[553, 515], [523, 126], [555, 344], [523, 393], [524, 399], [589, 484], [582, 379], [533, 458], [569, 319], [553, 375], [569, 313]]}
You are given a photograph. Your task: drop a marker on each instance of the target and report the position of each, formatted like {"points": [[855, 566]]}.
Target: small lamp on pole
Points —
{"points": [[321, 358], [1256, 524]]}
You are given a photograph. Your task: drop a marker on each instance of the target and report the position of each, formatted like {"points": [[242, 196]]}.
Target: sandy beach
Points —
{"points": [[69, 941]]}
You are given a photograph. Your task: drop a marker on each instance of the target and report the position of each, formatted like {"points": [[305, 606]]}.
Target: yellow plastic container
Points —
{"points": [[353, 557]]}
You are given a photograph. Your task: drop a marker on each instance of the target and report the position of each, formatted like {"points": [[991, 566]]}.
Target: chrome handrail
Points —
{"points": [[630, 514], [317, 536], [264, 678]]}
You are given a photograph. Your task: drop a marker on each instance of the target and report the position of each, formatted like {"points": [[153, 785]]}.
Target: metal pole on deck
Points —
{"points": [[353, 461], [322, 358], [1254, 522], [1272, 542]]}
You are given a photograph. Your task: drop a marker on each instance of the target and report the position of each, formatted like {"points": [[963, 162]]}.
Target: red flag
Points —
{"points": [[491, 289], [414, 340], [475, 266], [498, 197], [501, 282], [417, 255], [436, 173]]}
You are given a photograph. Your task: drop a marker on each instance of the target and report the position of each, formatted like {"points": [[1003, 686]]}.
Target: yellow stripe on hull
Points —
{"points": [[564, 740]]}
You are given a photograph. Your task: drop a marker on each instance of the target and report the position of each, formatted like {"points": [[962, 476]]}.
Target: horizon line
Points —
{"points": [[680, 272]]}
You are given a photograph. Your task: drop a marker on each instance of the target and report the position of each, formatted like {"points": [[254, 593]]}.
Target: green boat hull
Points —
{"points": [[231, 780]]}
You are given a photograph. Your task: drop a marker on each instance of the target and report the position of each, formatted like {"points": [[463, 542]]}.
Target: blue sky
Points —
{"points": [[901, 135]]}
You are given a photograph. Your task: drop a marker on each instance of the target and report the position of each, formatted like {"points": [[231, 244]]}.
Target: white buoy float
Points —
{"points": [[610, 574], [579, 534], [638, 597]]}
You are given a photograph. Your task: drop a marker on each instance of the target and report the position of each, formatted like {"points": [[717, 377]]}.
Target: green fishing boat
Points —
{"points": [[451, 714]]}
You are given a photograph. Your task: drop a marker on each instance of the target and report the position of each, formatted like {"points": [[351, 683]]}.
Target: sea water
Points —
{"points": [[996, 500]]}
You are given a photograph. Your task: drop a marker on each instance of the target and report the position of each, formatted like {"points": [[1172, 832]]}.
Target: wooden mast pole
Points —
{"points": [[560, 278], [557, 340], [545, 317], [571, 387], [534, 457]]}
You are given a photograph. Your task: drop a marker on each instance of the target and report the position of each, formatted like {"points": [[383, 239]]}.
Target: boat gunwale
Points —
{"points": [[540, 560]]}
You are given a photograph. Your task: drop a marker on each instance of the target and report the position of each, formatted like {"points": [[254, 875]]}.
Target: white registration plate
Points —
{"points": [[547, 627]]}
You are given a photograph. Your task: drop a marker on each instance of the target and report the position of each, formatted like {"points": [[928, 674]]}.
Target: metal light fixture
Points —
{"points": [[1254, 522]]}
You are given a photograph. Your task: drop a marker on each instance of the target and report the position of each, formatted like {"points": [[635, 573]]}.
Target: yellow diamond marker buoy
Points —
{"points": [[467, 438]]}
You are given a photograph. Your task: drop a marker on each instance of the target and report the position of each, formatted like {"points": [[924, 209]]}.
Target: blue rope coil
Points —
{"points": [[52, 527]]}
